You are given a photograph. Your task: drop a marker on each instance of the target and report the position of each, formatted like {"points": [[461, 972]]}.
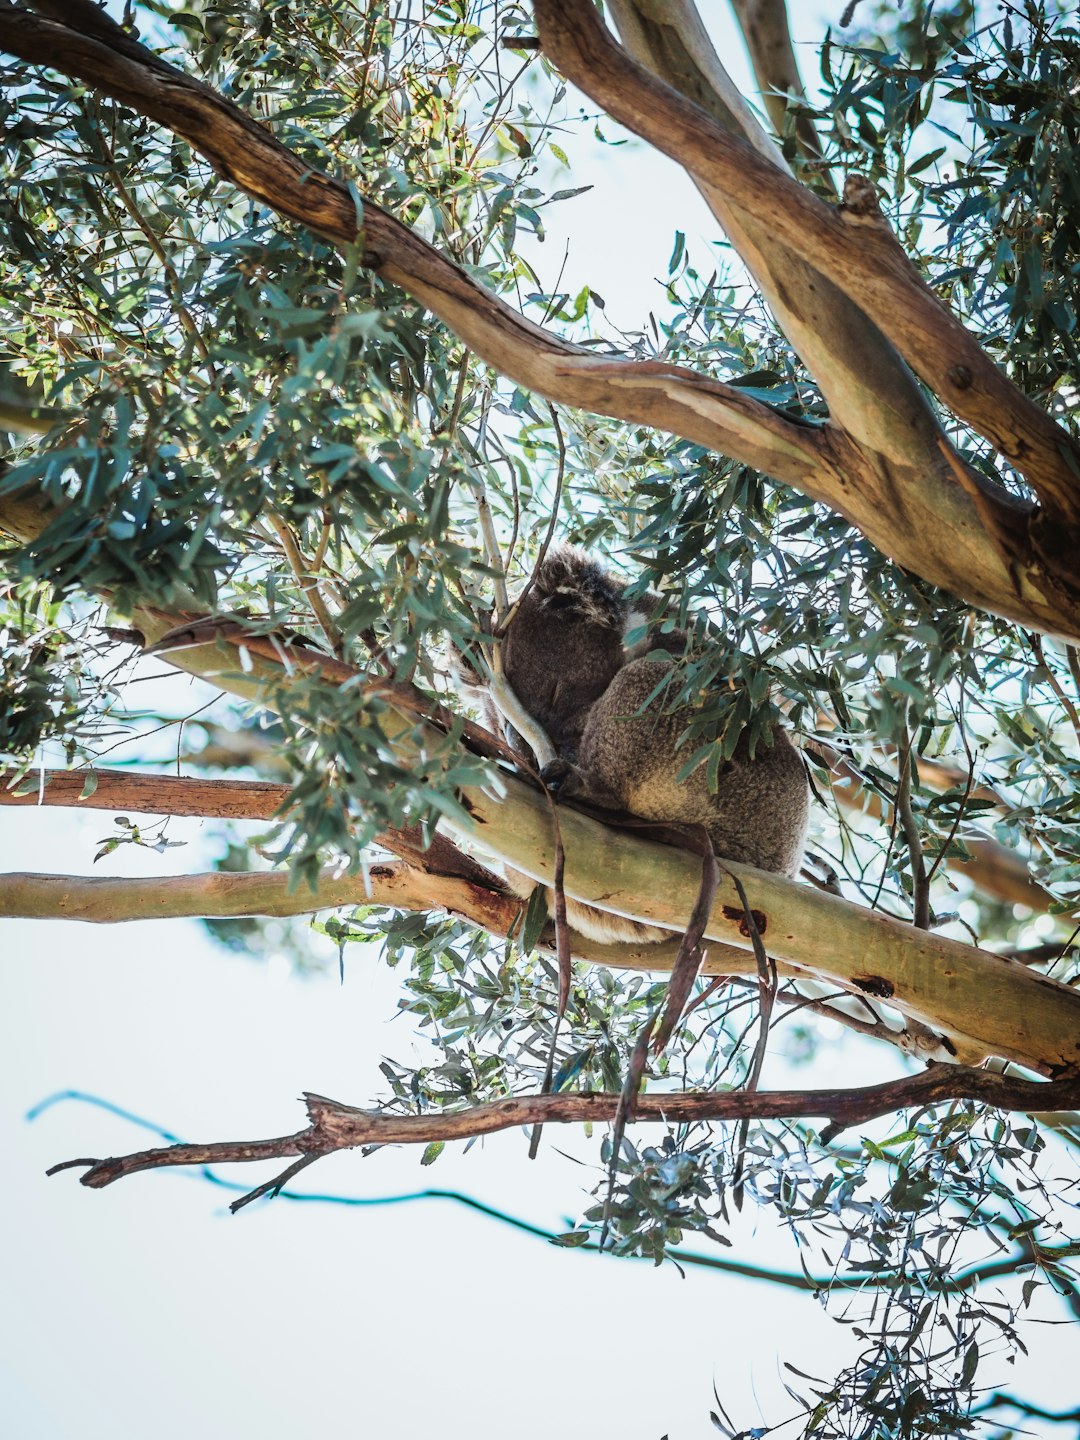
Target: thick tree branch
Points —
{"points": [[871, 392], [334, 1126], [886, 503], [993, 869], [244, 152], [230, 894], [853, 248], [981, 1000], [987, 1005]]}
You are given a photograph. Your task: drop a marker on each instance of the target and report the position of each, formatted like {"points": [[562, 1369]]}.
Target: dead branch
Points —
{"points": [[334, 1126]]}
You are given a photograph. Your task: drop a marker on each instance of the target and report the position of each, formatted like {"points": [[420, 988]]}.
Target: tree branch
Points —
{"points": [[334, 1126], [889, 505], [992, 869], [146, 794], [853, 247], [987, 1005], [244, 152], [764, 25], [981, 1000]]}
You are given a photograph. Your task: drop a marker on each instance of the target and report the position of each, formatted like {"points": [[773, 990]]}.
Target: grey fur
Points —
{"points": [[566, 659]]}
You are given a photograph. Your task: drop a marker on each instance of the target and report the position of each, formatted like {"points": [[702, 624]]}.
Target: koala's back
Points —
{"points": [[759, 810]]}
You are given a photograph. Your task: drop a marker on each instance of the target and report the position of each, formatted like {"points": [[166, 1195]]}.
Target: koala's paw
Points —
{"points": [[559, 775]]}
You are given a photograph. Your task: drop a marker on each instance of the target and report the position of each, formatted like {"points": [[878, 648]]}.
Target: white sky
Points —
{"points": [[146, 1309]]}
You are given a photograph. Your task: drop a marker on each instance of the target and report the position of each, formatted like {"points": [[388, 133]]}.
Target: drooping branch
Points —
{"points": [[334, 1126], [989, 563]]}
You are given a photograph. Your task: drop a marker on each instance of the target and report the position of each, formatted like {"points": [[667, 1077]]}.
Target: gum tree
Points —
{"points": [[288, 396]]}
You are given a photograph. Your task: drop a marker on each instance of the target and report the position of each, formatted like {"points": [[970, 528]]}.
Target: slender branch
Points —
{"points": [[991, 868], [764, 24], [307, 577], [334, 1126], [146, 794], [920, 888]]}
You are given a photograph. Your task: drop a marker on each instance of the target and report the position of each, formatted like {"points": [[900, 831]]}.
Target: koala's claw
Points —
{"points": [[555, 775]]}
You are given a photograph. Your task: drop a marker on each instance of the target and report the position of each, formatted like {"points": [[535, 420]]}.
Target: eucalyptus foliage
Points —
{"points": [[230, 379]]}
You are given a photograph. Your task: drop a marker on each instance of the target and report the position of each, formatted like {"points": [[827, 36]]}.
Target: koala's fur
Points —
{"points": [[566, 658]]}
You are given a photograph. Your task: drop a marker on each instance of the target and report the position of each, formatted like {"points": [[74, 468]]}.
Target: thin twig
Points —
{"points": [[308, 582], [767, 994], [555, 507], [920, 888], [1035, 641]]}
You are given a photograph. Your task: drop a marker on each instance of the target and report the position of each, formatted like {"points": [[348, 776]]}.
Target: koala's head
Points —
{"points": [[574, 586], [565, 642]]}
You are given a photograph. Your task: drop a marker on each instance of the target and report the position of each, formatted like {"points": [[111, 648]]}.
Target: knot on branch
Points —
{"points": [[860, 202]]}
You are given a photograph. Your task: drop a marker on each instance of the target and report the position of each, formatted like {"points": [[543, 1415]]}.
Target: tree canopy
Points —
{"points": [[294, 392]]}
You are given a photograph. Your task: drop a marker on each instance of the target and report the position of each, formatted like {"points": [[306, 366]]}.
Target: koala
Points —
{"points": [[566, 657]]}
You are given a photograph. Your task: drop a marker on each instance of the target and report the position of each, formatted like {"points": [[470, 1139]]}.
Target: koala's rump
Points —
{"points": [[758, 812]]}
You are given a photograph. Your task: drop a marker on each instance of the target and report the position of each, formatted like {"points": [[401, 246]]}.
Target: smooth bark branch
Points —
{"points": [[852, 248], [764, 24], [670, 397], [992, 869], [147, 794], [228, 895], [993, 569], [334, 1126], [871, 393], [987, 1005], [900, 475]]}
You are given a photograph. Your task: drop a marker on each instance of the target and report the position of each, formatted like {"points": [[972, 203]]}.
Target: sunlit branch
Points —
{"points": [[992, 568], [852, 246], [245, 152]]}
